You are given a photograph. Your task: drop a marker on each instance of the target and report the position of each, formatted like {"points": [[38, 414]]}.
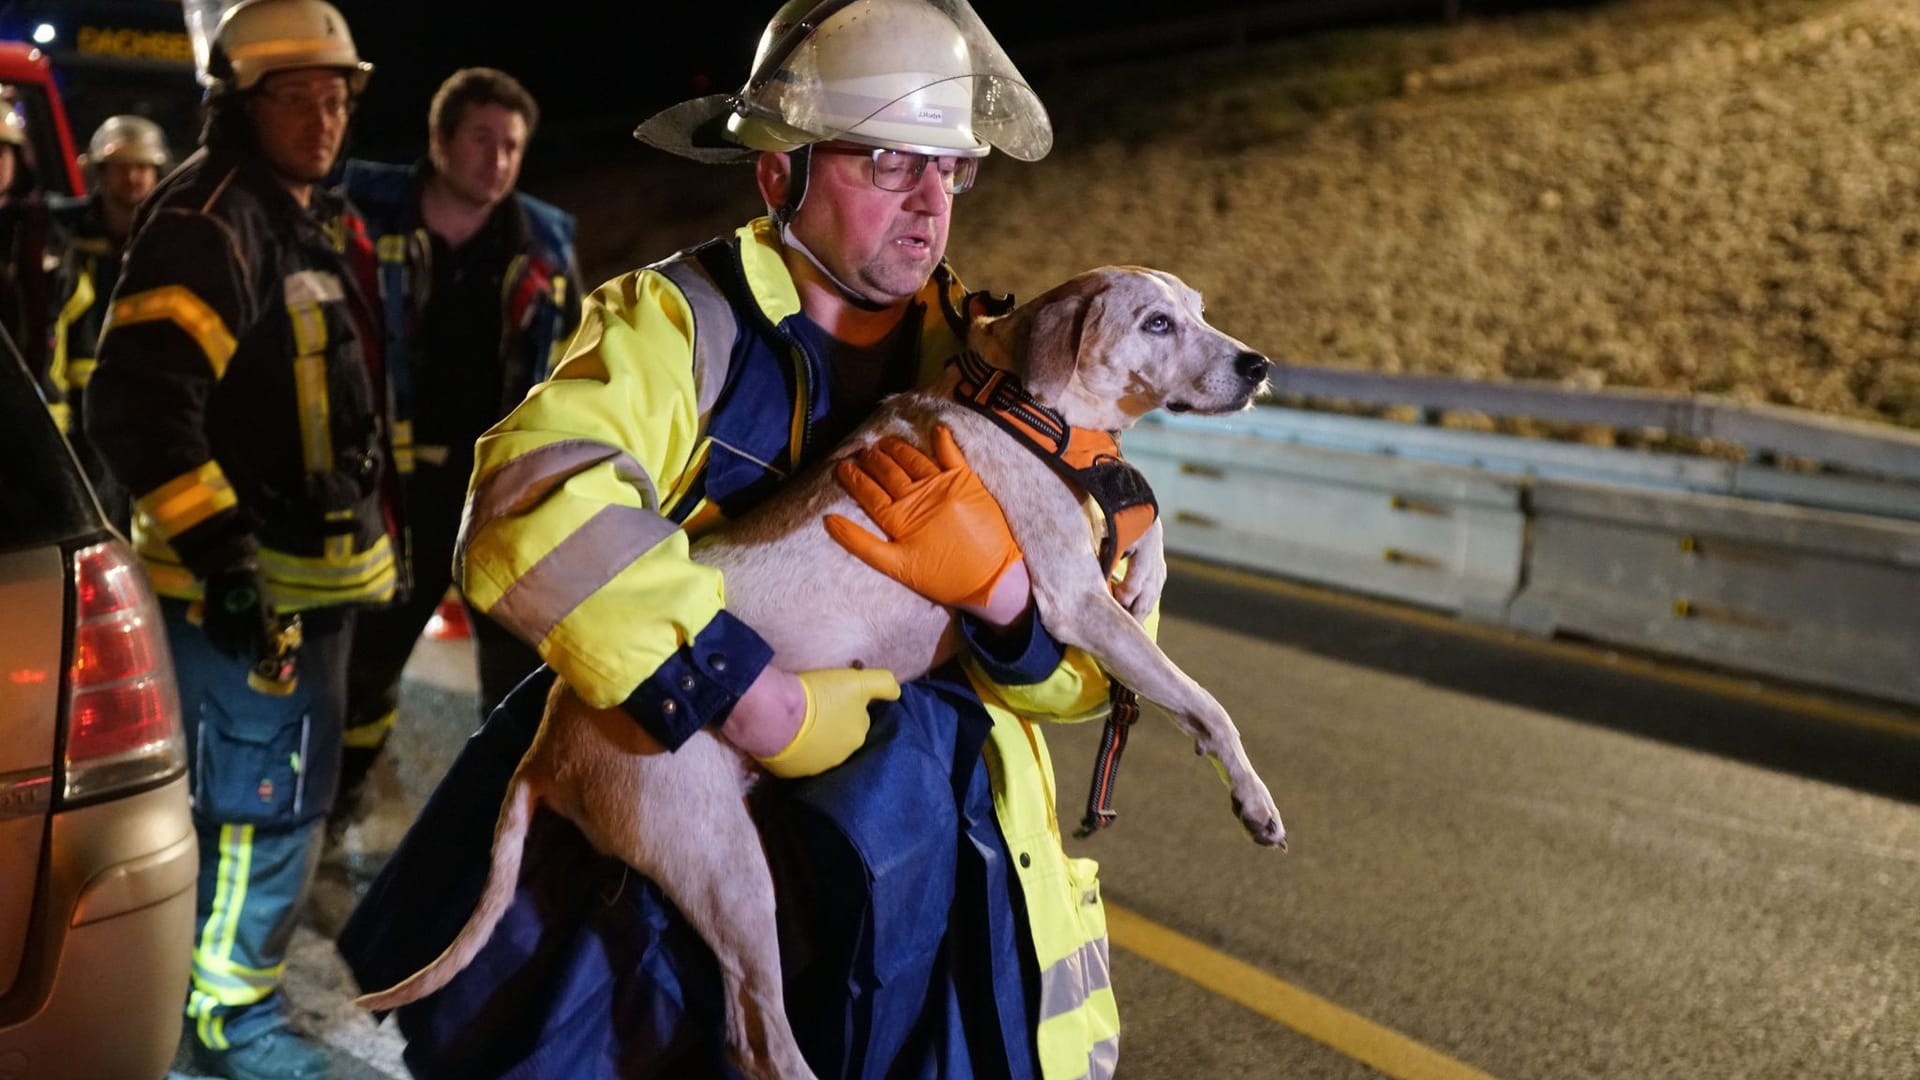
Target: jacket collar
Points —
{"points": [[252, 172], [776, 296]]}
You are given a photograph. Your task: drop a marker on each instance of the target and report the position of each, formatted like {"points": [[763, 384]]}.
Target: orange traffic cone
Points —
{"points": [[449, 622]]}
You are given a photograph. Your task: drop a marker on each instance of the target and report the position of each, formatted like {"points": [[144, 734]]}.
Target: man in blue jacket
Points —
{"points": [[477, 282]]}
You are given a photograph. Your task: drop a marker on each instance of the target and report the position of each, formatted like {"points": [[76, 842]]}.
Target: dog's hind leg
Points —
{"points": [[732, 906], [682, 820]]}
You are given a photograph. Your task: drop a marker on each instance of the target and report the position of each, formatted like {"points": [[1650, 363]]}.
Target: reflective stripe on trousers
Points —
{"points": [[251, 881], [262, 769]]}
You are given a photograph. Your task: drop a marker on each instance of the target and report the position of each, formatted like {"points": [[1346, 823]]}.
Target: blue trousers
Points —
{"points": [[263, 768]]}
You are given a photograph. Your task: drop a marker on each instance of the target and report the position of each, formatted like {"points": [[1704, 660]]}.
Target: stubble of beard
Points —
{"points": [[303, 173], [894, 273], [473, 196]]}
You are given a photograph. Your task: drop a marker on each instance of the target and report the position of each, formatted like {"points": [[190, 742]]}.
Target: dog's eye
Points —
{"points": [[1157, 323]]}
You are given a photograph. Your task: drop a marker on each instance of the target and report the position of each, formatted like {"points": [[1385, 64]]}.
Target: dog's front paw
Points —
{"points": [[1252, 803], [1262, 819]]}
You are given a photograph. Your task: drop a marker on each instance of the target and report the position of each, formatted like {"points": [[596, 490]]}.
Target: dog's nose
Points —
{"points": [[1251, 366]]}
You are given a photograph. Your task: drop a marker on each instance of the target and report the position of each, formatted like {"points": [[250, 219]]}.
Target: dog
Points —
{"points": [[1101, 350]]}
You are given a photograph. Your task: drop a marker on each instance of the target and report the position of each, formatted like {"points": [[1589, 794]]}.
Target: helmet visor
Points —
{"points": [[918, 75]]}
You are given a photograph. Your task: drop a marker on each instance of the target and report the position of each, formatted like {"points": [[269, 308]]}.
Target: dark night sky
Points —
{"points": [[593, 70], [599, 73], [599, 69]]}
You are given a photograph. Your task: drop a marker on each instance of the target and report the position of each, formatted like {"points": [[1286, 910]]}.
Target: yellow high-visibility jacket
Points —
{"points": [[684, 398], [1078, 1033]]}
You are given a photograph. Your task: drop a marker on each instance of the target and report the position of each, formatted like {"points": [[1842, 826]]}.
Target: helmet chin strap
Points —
{"points": [[802, 159]]}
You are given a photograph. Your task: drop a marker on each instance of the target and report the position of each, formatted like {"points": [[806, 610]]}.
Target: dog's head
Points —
{"points": [[1113, 344]]}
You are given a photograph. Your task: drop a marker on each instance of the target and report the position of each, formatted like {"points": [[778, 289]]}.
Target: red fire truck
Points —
{"points": [[28, 78]]}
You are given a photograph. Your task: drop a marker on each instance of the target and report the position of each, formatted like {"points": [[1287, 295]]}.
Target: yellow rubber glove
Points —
{"points": [[947, 538], [836, 720]]}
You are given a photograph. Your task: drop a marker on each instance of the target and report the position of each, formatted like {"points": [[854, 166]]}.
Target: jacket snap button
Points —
{"points": [[718, 663], [686, 683], [669, 707], [1026, 860]]}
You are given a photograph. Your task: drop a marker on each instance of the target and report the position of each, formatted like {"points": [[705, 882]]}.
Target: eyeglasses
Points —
{"points": [[899, 170], [330, 104]]}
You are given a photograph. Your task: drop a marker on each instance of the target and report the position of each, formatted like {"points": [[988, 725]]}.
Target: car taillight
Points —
{"points": [[123, 711]]}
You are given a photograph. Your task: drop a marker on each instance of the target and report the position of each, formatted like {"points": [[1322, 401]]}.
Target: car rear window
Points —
{"points": [[44, 499]]}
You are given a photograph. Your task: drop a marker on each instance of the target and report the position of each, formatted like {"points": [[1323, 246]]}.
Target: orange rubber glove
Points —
{"points": [[835, 723], [947, 538]]}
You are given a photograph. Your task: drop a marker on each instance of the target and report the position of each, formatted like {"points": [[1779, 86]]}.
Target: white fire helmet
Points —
{"points": [[259, 37], [918, 75]]}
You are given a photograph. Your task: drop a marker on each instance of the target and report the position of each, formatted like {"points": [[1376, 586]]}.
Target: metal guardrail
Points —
{"points": [[1836, 441], [1811, 576]]}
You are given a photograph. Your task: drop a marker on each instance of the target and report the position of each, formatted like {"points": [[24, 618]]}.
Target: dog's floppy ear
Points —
{"points": [[1041, 340]]}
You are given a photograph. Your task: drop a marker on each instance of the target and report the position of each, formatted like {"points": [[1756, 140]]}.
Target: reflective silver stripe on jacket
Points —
{"points": [[307, 293], [714, 329], [1103, 1058], [1068, 981], [527, 480], [578, 567]]}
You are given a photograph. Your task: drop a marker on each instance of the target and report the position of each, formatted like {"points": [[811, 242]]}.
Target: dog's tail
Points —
{"points": [[509, 837]]}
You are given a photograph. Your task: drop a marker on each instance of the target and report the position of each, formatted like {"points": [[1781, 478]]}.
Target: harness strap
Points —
{"points": [[996, 393], [1091, 460], [1124, 709], [1086, 458]]}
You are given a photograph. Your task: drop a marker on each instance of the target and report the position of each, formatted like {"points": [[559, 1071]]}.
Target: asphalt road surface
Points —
{"points": [[1507, 860]]}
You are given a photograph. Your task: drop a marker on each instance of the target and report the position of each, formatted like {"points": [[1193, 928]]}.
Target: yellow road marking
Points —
{"points": [[1318, 1019], [1885, 721]]}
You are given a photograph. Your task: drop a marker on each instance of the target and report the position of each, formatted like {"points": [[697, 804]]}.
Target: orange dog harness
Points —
{"points": [[1090, 460]]}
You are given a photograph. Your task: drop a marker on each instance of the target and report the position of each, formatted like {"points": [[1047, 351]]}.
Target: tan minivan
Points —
{"points": [[97, 849]]}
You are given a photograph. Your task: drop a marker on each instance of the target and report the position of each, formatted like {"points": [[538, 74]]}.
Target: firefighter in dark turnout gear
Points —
{"points": [[477, 282], [126, 156], [233, 397]]}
